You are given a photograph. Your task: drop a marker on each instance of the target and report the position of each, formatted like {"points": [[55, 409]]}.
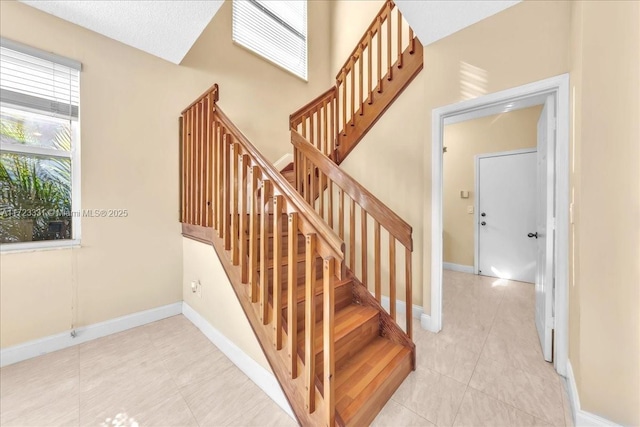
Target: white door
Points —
{"points": [[545, 226], [506, 214]]}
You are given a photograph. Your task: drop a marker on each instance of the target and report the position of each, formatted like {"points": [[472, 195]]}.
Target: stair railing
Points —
{"points": [[329, 189], [382, 49], [228, 185]]}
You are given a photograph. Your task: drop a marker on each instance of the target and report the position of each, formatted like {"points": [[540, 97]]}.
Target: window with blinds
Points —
{"points": [[276, 30], [39, 164]]}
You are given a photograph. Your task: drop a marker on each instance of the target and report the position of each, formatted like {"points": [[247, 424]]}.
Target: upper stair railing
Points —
{"points": [[324, 186], [384, 61], [228, 185]]}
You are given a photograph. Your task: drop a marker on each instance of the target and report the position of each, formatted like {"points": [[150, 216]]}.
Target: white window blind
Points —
{"points": [[276, 30], [37, 80]]}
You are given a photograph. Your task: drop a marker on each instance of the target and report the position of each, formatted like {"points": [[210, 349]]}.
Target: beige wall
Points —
{"points": [[598, 43], [605, 286], [217, 301], [257, 95], [130, 103], [502, 132], [394, 159]]}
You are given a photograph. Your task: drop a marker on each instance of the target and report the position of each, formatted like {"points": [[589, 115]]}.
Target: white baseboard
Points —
{"points": [[283, 161], [401, 307], [425, 323], [252, 369], [458, 267], [582, 418], [63, 340]]}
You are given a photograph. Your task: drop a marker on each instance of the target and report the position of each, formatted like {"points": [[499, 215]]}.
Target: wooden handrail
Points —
{"points": [[213, 90], [387, 218], [308, 107], [382, 14], [229, 187], [330, 240]]}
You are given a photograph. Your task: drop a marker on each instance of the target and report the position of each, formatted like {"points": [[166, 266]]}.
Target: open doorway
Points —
{"points": [[549, 98]]}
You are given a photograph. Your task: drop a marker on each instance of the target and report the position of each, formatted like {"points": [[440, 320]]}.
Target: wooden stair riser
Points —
{"points": [[359, 334]]}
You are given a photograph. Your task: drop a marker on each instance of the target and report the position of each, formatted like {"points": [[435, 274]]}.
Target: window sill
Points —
{"points": [[12, 248]]}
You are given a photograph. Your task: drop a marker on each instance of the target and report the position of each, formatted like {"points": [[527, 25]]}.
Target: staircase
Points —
{"points": [[381, 66], [310, 251], [337, 353]]}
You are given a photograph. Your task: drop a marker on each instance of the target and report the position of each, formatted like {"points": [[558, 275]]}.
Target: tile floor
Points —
{"points": [[483, 369]]}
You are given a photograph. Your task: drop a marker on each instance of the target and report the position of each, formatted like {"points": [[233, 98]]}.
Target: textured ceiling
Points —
{"points": [[433, 20], [164, 28]]}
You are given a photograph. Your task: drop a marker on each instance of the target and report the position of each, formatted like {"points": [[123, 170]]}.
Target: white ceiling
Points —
{"points": [[433, 20], [168, 28], [164, 28]]}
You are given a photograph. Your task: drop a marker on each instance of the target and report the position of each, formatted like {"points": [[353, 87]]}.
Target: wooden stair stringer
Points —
{"points": [[292, 388], [351, 135]]}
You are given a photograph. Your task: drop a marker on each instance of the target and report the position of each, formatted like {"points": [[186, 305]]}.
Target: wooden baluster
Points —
{"points": [[379, 28], [328, 350], [363, 244], [264, 253], [202, 112], [370, 66], [392, 277], [325, 124], [183, 134], [399, 39], [341, 213], [235, 214], [389, 43], [292, 290], [220, 171], [203, 172], [186, 173], [227, 188], [377, 261], [243, 232], [197, 174], [210, 162], [307, 179], [321, 185], [191, 171], [332, 128], [361, 80], [254, 230], [216, 185], [313, 186], [352, 66], [344, 103], [304, 126], [412, 41], [277, 270], [296, 169], [330, 202], [352, 235], [408, 278], [312, 128], [310, 323]]}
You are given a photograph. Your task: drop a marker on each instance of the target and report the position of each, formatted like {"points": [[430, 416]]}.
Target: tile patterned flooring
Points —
{"points": [[484, 368]]}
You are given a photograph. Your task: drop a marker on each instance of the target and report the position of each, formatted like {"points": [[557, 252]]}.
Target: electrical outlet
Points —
{"points": [[196, 288]]}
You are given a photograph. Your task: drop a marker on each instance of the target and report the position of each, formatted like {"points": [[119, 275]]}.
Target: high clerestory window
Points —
{"points": [[276, 30], [39, 148]]}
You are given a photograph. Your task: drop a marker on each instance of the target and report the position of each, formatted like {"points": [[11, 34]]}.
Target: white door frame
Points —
{"points": [[476, 202], [495, 103]]}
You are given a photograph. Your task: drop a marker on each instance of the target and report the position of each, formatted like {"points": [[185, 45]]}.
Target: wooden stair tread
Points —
{"points": [[360, 380], [319, 288], [345, 321]]}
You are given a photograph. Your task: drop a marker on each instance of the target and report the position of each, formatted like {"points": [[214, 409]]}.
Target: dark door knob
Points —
{"points": [[533, 235], [483, 223], [483, 214]]}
